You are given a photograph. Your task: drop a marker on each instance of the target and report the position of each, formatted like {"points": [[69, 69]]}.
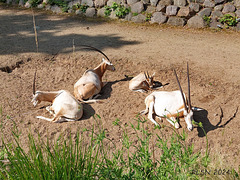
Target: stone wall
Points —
{"points": [[191, 13]]}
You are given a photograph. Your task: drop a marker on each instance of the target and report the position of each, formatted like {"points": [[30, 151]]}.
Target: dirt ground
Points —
{"points": [[213, 57]]}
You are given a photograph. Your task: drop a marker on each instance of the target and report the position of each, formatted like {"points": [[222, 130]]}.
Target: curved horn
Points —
{"points": [[34, 82], [185, 105], [145, 75], [93, 48], [148, 75], [189, 97]]}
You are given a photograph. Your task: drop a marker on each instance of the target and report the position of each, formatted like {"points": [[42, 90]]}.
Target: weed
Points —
{"points": [[119, 10], [229, 20], [207, 19]]}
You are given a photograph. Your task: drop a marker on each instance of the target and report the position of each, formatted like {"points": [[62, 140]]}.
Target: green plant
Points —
{"points": [[119, 10], [34, 3], [148, 16], [83, 7], [207, 19], [61, 3], [229, 20], [135, 14]]}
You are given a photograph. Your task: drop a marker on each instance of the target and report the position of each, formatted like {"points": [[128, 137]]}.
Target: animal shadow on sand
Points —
{"points": [[202, 116]]}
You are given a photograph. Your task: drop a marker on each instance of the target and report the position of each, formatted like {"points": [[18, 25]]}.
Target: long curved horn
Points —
{"points": [[185, 105], [93, 48], [148, 75], [145, 75], [189, 96], [34, 82]]}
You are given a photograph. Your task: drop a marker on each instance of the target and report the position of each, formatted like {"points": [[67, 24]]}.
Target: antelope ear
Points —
{"points": [[103, 59], [153, 74]]}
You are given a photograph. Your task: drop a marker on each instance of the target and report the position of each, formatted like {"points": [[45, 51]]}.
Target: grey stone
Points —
{"points": [[238, 27], [166, 2], [171, 10], [90, 12], [140, 18], [87, 2], [196, 22], [219, 1], [218, 7], [113, 15], [228, 8], [72, 3], [194, 7], [137, 7], [154, 2], [56, 9], [100, 3], [110, 2], [216, 14], [184, 12], [128, 17], [237, 3], [150, 9], [209, 3], [161, 8], [214, 24], [180, 3], [237, 12], [45, 1], [132, 1], [205, 12], [158, 17], [100, 12], [176, 21], [10, 2]]}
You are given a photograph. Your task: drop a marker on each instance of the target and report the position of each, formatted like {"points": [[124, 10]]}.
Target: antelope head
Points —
{"points": [[187, 113], [149, 79]]}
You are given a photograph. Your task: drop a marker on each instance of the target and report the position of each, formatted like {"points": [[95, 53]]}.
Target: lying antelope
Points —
{"points": [[64, 106], [90, 84], [171, 105]]}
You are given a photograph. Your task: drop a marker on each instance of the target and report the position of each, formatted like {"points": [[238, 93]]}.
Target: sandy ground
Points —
{"points": [[213, 58]]}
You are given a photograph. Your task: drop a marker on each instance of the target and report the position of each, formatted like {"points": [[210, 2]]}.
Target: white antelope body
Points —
{"points": [[171, 105], [142, 82], [64, 106], [90, 83]]}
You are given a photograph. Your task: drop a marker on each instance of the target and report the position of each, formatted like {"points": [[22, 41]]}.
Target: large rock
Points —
{"points": [[56, 9], [87, 2], [166, 2], [176, 21], [194, 7], [140, 18], [218, 7], [70, 4], [184, 12], [228, 8], [137, 7], [158, 17], [90, 12], [154, 2], [214, 24], [100, 3], [150, 9], [219, 1], [196, 22], [237, 13], [110, 2], [237, 3], [100, 12], [180, 3], [205, 12], [132, 1], [216, 14], [171, 10], [209, 3], [161, 8], [146, 1]]}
